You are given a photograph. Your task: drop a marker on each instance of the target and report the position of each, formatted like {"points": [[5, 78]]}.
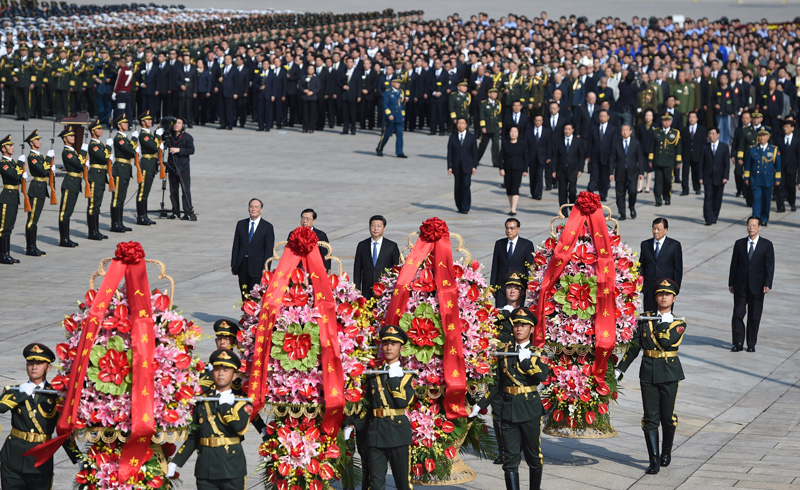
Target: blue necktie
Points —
{"points": [[374, 253], [626, 147], [252, 230], [510, 250], [658, 249], [568, 145]]}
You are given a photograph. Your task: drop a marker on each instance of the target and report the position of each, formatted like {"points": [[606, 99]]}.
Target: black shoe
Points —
{"points": [[512, 213], [651, 438], [793, 208], [343, 132], [401, 156], [633, 213], [536, 198], [185, 217], [658, 204], [750, 349], [192, 217], [736, 348], [30, 243], [379, 153], [146, 217], [5, 250], [463, 212], [498, 460], [666, 202], [738, 194], [709, 223], [512, 480], [221, 127], [622, 217], [780, 210], [697, 192], [685, 193], [172, 216]]}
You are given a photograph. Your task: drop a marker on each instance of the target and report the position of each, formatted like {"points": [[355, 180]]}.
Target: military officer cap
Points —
{"points": [[24, 47], [393, 332], [104, 50], [523, 315], [67, 131], [462, 83], [763, 132], [36, 48], [667, 286], [63, 50], [145, 116], [33, 136], [96, 124], [6, 141], [398, 61], [515, 278], [492, 90], [120, 119], [226, 358], [666, 117], [396, 80], [38, 352], [757, 114], [224, 326]]}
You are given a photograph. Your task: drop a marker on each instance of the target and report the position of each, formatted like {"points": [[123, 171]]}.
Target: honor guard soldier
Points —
{"points": [[71, 185], [459, 104], [226, 331], [98, 155], [516, 384], [38, 78], [21, 77], [665, 156], [149, 143], [489, 115], [39, 166], [13, 173], [124, 154], [762, 170], [218, 428], [60, 80], [33, 419], [394, 116], [389, 432], [659, 373]]}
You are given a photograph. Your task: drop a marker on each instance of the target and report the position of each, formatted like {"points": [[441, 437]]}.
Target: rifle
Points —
{"points": [[53, 199], [25, 181], [111, 186]]}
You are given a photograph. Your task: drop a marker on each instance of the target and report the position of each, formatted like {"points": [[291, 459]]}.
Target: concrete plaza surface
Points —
{"points": [[738, 412]]}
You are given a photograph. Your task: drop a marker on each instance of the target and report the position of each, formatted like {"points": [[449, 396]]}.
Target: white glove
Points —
{"points": [[112, 159], [114, 96], [51, 154], [226, 398], [524, 353], [667, 317], [171, 470], [85, 147], [22, 158], [139, 150], [27, 388], [348, 431], [617, 374], [86, 163], [110, 142], [396, 371], [264, 432], [475, 411], [159, 131], [161, 146], [135, 134], [25, 175]]}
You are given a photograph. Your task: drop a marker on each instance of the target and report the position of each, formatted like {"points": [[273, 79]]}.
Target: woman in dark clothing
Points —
{"points": [[309, 88], [644, 133], [204, 88], [513, 165]]}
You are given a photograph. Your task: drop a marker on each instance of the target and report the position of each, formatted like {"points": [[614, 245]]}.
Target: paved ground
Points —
{"points": [[738, 412]]}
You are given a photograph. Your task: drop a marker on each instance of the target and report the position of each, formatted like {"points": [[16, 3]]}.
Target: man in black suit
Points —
{"points": [[242, 91], [277, 75], [350, 95], [462, 163], [568, 156], [436, 90], [603, 136], [677, 116], [586, 115], [373, 256], [253, 242], [518, 118], [750, 278], [715, 168], [307, 218], [369, 96], [479, 84], [227, 82], [510, 254], [661, 257], [555, 121], [163, 87], [148, 84], [187, 89], [539, 150], [627, 158], [789, 147], [694, 138], [292, 105]]}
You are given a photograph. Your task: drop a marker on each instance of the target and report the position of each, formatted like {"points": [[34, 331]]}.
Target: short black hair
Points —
{"points": [[714, 128], [309, 210], [255, 199], [378, 217], [514, 220], [661, 221], [755, 218]]}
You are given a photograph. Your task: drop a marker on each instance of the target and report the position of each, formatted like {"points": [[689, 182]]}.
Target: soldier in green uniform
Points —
{"points": [[225, 331], [218, 428], [77, 83], [647, 98], [21, 77], [149, 143], [71, 185], [459, 103], [38, 77], [389, 432], [124, 154], [537, 81], [489, 117], [98, 155], [660, 372], [514, 88], [684, 95], [664, 157], [60, 80], [33, 420], [516, 385], [12, 172], [38, 191]]}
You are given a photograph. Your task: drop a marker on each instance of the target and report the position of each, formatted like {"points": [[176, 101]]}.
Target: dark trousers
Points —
{"points": [[712, 202], [536, 178], [310, 115], [123, 105], [227, 484], [121, 173], [246, 281], [567, 188], [37, 103], [241, 110], [787, 191], [331, 111], [745, 302], [522, 437], [694, 167], [367, 113], [485, 139], [658, 404], [293, 109], [203, 113], [11, 479], [277, 114], [462, 194], [186, 108], [379, 460], [68, 199], [389, 128], [349, 116], [96, 191], [150, 103], [438, 108], [264, 111], [322, 107], [149, 173], [175, 189], [227, 112], [412, 108], [165, 109], [762, 201], [626, 181], [599, 180], [662, 188], [8, 217], [37, 203]]}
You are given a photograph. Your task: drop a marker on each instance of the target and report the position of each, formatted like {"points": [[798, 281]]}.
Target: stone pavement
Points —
{"points": [[738, 416]]}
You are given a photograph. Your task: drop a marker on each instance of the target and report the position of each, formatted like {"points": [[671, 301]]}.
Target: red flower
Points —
{"points": [[175, 327], [378, 289], [473, 294], [450, 452], [430, 465], [62, 351], [602, 409], [333, 280], [313, 467], [422, 332], [482, 315], [249, 307], [549, 307], [546, 404], [302, 241], [424, 282], [579, 296], [183, 361], [59, 382], [185, 392], [333, 452], [315, 485], [114, 367], [297, 346], [162, 302], [352, 395], [587, 202], [326, 472], [156, 482], [482, 368], [70, 324], [590, 417], [417, 470], [448, 427], [129, 252], [550, 243], [295, 296], [433, 230], [558, 415], [298, 276]]}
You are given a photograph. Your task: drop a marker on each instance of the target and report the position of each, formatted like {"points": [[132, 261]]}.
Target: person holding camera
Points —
{"points": [[181, 146]]}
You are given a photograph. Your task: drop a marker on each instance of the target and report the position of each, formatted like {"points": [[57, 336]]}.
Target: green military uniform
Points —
{"points": [[684, 97], [659, 93], [389, 432], [60, 74], [122, 171], [516, 385], [217, 434], [659, 375], [149, 143], [38, 77], [77, 85], [665, 156], [38, 192], [8, 83], [11, 172], [458, 105], [98, 154], [21, 78], [489, 117], [88, 78], [535, 90], [514, 90], [646, 99], [71, 186], [33, 420]]}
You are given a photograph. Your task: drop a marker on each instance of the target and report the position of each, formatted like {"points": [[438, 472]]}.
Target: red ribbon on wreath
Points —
{"points": [[129, 264], [587, 212], [302, 247], [434, 236]]}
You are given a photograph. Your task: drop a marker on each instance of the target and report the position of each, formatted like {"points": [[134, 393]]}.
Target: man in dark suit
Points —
{"points": [[187, 89], [479, 84], [242, 91], [148, 84], [586, 115], [661, 257], [307, 218], [373, 256], [510, 255], [539, 150], [277, 75], [694, 138], [351, 96], [677, 116], [164, 87], [462, 163], [568, 156], [715, 168], [750, 278], [369, 96], [789, 147], [436, 90], [227, 82], [518, 118], [555, 121], [265, 88], [253, 242], [292, 106], [627, 158], [603, 137]]}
